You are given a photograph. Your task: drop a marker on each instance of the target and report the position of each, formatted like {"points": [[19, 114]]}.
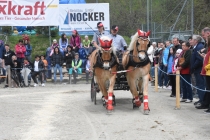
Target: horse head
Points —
{"points": [[106, 51], [142, 44]]}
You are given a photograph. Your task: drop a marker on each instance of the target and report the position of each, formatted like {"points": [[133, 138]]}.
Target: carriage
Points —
{"points": [[132, 74]]}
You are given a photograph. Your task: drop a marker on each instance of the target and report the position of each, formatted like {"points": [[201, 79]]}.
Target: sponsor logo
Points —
{"points": [[84, 16], [9, 8]]}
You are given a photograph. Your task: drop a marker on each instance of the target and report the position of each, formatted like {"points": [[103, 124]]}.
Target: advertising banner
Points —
{"points": [[83, 17], [29, 12]]}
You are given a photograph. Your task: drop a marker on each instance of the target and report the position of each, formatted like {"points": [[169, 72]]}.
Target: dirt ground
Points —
{"points": [[65, 112]]}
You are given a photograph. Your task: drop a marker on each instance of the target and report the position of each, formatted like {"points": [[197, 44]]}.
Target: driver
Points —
{"points": [[98, 34], [118, 42]]}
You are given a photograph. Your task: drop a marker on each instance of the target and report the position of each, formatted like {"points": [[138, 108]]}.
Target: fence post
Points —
{"points": [[156, 77], [177, 89], [9, 76]]}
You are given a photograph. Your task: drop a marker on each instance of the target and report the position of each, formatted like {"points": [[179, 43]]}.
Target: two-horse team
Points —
{"points": [[136, 65]]}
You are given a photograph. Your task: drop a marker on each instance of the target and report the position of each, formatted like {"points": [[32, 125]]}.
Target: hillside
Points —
{"points": [[41, 42]]}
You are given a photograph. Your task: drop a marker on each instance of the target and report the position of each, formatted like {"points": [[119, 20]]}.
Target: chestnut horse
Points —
{"points": [[137, 62], [104, 62]]}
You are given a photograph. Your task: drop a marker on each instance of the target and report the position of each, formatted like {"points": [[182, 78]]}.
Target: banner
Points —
{"points": [[29, 12], [83, 17]]}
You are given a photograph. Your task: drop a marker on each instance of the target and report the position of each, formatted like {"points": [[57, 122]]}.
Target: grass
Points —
{"points": [[40, 43]]}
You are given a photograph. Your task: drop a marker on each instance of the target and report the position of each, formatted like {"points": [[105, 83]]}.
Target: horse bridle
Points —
{"points": [[103, 61], [137, 44]]}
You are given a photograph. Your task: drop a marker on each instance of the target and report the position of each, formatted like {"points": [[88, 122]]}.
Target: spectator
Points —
{"points": [[54, 44], [44, 72], [192, 75], [7, 60], [165, 63], [57, 62], [69, 56], [75, 41], [152, 70], [38, 67], [28, 50], [87, 71], [20, 51], [25, 37], [76, 64], [86, 45], [63, 43], [2, 49], [161, 75], [206, 72], [175, 63], [196, 66], [98, 34], [48, 58], [184, 68], [26, 75], [172, 78], [176, 43], [205, 34], [150, 53], [15, 74]]}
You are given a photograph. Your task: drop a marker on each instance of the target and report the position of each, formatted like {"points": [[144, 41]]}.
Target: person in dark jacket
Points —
{"points": [[15, 71], [69, 56], [176, 44], [57, 62], [7, 61], [28, 50], [185, 73], [196, 66], [38, 67]]}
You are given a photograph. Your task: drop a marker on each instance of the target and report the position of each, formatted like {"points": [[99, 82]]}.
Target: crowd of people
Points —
{"points": [[73, 52], [192, 59]]}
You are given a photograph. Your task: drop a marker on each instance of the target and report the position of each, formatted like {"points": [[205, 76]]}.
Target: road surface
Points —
{"points": [[65, 112]]}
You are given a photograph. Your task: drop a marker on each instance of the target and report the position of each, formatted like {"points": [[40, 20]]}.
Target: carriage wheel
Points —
{"points": [[95, 97]]}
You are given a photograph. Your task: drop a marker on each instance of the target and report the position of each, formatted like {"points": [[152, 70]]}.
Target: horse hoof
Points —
{"points": [[135, 107], [138, 104], [102, 98], [109, 107], [146, 112]]}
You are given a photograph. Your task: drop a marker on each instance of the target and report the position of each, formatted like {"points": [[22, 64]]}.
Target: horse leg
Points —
{"points": [[145, 92], [102, 87], [140, 83], [110, 92], [133, 89]]}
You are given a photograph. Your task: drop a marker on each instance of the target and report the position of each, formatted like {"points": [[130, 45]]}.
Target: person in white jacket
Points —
{"points": [[150, 53]]}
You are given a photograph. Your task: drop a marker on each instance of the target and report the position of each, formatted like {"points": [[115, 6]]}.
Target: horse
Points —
{"points": [[104, 63], [136, 60]]}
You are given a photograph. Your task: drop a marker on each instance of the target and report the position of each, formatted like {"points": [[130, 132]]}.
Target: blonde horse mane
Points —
{"points": [[133, 41]]}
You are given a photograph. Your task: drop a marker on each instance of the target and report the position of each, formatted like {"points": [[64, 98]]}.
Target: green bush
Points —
{"points": [[54, 33], [7, 30]]}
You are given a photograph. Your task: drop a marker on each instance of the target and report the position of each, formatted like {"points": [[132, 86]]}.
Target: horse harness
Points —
{"points": [[99, 62]]}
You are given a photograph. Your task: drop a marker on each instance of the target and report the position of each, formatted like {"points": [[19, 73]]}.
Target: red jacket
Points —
{"points": [[20, 51], [186, 65]]}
